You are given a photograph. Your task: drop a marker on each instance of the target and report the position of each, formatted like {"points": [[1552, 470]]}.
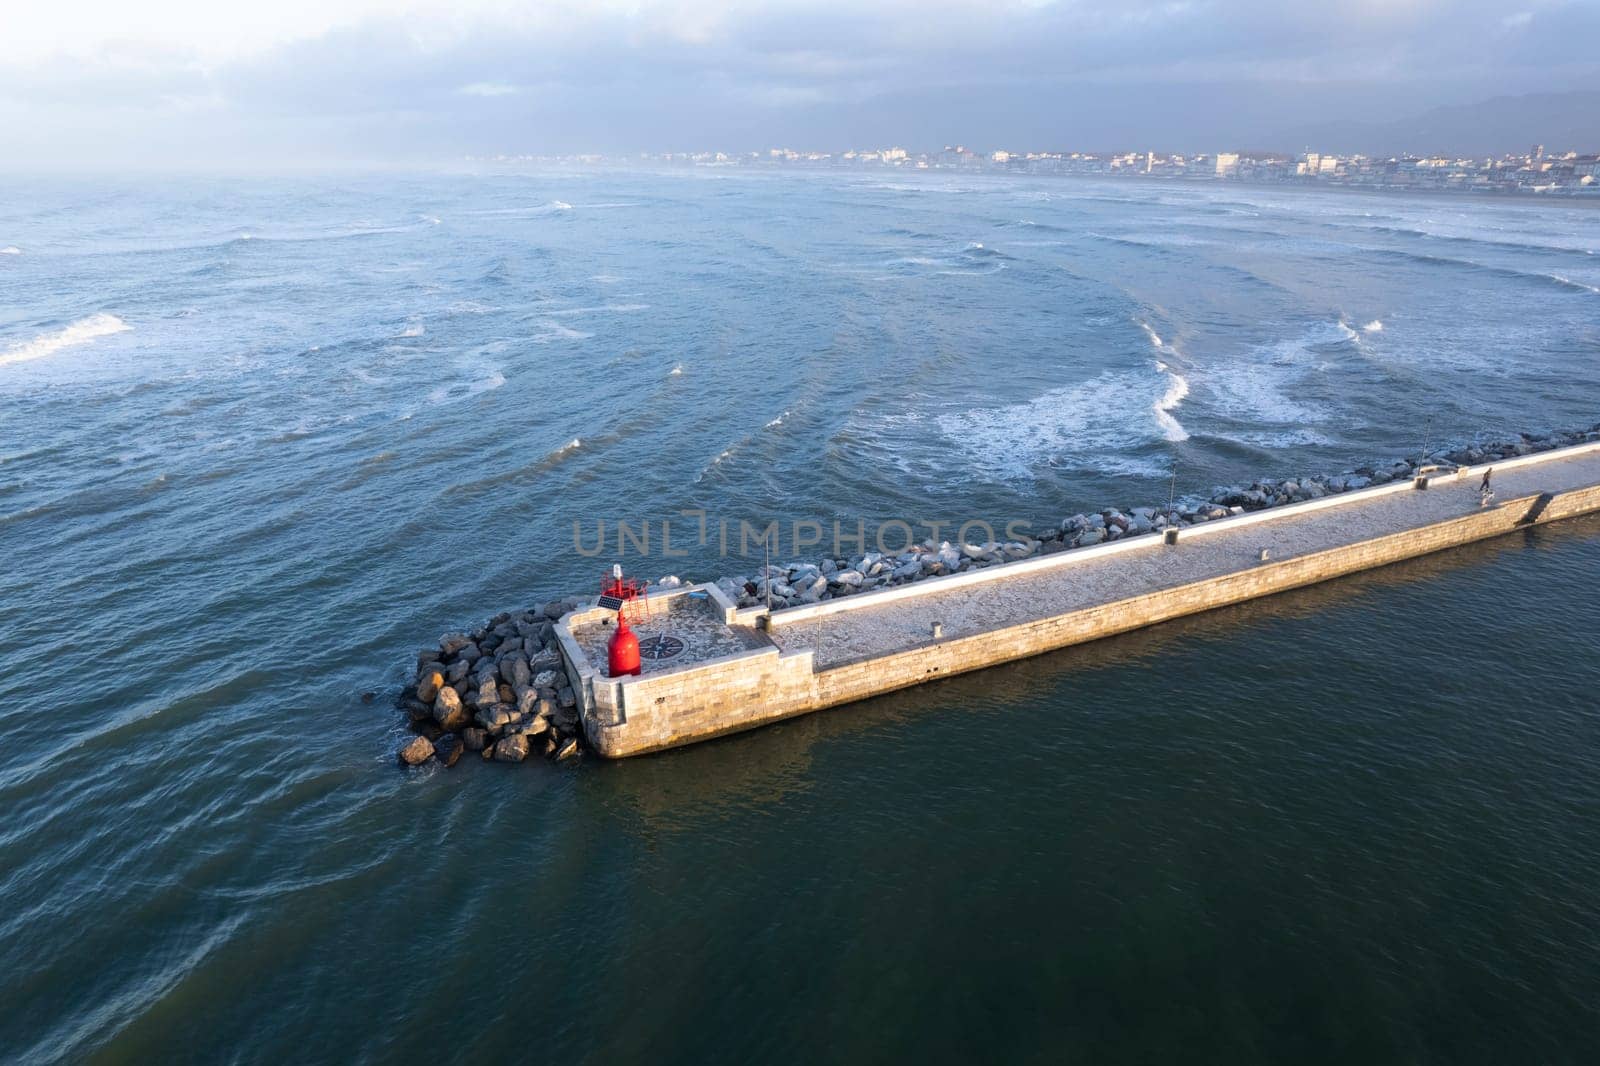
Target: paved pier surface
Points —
{"points": [[724, 673], [874, 630]]}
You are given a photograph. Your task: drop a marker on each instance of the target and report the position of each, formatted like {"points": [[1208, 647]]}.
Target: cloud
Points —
{"points": [[489, 88], [348, 78]]}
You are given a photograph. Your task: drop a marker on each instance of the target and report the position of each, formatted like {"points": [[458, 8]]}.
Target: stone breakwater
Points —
{"points": [[802, 584], [498, 690], [501, 690]]}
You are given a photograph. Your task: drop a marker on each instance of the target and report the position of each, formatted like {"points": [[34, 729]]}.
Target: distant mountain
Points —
{"points": [[1558, 121]]}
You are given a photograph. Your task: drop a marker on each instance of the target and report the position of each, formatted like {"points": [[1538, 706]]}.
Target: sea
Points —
{"points": [[262, 438]]}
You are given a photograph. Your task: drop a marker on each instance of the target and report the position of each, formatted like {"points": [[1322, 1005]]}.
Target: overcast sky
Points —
{"points": [[199, 81]]}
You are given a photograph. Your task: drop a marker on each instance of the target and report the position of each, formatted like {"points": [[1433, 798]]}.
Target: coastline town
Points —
{"points": [[1540, 172]]}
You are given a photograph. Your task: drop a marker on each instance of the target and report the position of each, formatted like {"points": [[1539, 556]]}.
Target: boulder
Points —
{"points": [[545, 679], [447, 749], [511, 749], [451, 643], [488, 691], [495, 718], [474, 739], [448, 710], [567, 750], [468, 653], [458, 671], [417, 752], [429, 682], [516, 672]]}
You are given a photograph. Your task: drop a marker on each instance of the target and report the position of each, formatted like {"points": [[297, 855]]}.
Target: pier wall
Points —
{"points": [[634, 715]]}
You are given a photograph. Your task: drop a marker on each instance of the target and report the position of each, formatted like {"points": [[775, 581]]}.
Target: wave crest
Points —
{"points": [[79, 332]]}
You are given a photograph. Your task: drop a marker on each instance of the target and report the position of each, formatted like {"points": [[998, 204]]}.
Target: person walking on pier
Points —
{"points": [[1485, 493]]}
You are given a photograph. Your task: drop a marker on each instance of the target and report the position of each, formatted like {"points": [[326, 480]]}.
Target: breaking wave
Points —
{"points": [[1177, 388], [10, 249], [79, 332]]}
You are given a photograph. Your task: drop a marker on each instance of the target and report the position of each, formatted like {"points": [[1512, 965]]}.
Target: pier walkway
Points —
{"points": [[872, 630]]}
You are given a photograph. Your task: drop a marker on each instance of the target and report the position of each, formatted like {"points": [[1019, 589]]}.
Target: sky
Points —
{"points": [[94, 83]]}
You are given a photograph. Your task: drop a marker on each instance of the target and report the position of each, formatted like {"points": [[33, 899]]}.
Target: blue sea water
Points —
{"points": [[260, 439]]}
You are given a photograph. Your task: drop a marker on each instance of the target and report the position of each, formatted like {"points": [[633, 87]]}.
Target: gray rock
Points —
{"points": [[447, 749], [567, 750], [516, 671], [429, 682], [448, 710], [458, 671], [495, 718], [511, 749], [545, 679], [417, 752], [474, 738]]}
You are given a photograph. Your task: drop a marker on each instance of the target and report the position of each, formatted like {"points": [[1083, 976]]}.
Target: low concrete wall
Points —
{"points": [[635, 715]]}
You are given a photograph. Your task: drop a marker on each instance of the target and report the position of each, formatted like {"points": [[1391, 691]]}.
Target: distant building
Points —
{"points": [[1227, 164]]}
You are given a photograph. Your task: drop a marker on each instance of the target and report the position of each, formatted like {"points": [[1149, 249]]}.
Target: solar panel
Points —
{"points": [[611, 603]]}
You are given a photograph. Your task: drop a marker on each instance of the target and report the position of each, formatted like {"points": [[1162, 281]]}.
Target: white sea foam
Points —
{"points": [[560, 205], [1091, 425], [1177, 388], [10, 249], [1569, 283], [776, 422], [493, 380], [559, 332], [416, 329], [676, 371], [567, 449], [1375, 326], [1259, 387], [432, 220], [79, 332]]}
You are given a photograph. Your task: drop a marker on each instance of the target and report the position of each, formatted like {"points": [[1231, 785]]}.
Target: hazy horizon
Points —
{"points": [[177, 84]]}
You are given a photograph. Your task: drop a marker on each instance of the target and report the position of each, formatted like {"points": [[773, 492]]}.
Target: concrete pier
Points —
{"points": [[719, 669]]}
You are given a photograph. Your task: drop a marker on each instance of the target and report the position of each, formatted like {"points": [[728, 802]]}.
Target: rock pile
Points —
{"points": [[499, 690]]}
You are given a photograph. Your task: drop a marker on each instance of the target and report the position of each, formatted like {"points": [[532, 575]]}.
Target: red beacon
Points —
{"points": [[622, 653]]}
